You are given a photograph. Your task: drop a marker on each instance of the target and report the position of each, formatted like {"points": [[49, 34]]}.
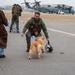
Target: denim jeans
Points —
{"points": [[1, 51]]}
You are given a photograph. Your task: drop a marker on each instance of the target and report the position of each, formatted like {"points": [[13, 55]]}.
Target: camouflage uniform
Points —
{"points": [[15, 19], [15, 16], [34, 28]]}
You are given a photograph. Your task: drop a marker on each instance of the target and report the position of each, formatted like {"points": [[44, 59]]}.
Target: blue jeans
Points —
{"points": [[1, 51]]}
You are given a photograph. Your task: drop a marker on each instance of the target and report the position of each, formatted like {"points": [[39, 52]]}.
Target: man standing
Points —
{"points": [[34, 26], [16, 12], [3, 33]]}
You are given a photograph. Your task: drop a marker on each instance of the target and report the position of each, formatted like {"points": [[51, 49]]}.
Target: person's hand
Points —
{"points": [[47, 40], [22, 34]]}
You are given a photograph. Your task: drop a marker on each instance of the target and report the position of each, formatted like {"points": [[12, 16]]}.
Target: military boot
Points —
{"points": [[28, 43]]}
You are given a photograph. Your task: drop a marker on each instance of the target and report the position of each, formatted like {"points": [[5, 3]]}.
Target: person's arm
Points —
{"points": [[4, 19], [44, 30], [25, 27]]}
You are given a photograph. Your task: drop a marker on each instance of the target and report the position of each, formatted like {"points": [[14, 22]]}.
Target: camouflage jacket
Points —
{"points": [[31, 25]]}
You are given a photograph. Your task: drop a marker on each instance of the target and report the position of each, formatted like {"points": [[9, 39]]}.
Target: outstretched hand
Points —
{"points": [[47, 40], [22, 34]]}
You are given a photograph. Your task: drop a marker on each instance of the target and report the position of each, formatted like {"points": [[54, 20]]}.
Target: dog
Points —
{"points": [[37, 47]]}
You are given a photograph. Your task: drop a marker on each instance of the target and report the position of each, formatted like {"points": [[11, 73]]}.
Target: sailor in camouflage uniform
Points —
{"points": [[16, 12], [34, 26]]}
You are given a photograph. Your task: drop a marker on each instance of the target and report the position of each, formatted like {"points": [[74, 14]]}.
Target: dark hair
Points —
{"points": [[37, 13]]}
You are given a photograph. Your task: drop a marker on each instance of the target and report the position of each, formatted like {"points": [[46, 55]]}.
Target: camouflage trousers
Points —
{"points": [[15, 20]]}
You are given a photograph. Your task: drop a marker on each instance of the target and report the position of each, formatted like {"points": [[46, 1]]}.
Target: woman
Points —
{"points": [[3, 33]]}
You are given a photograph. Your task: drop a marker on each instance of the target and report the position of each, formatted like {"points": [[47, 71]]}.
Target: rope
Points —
{"points": [[33, 37]]}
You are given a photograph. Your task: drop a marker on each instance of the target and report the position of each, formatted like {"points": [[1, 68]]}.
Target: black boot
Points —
{"points": [[28, 40], [27, 50]]}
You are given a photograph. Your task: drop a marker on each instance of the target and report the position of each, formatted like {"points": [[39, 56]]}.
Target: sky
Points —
{"points": [[11, 2]]}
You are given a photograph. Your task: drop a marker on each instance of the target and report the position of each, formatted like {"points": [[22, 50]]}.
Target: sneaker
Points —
{"points": [[2, 56]]}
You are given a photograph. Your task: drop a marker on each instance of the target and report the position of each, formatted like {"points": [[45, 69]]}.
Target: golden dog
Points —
{"points": [[37, 47]]}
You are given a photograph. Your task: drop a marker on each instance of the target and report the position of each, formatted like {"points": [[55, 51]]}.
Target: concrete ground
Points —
{"points": [[60, 62]]}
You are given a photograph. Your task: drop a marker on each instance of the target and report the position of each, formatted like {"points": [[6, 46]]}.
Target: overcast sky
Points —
{"points": [[67, 2]]}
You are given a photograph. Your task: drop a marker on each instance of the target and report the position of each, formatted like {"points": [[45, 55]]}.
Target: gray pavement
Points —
{"points": [[60, 62]]}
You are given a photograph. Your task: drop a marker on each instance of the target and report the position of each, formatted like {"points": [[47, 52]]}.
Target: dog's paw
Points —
{"points": [[39, 57], [29, 57]]}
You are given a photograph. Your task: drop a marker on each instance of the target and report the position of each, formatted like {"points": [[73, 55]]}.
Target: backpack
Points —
{"points": [[16, 9]]}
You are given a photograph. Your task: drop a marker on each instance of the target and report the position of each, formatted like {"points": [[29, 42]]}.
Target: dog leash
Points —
{"points": [[33, 37]]}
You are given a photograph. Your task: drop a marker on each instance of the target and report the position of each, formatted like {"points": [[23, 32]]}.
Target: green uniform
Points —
{"points": [[16, 12], [34, 28], [15, 19], [40, 23]]}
